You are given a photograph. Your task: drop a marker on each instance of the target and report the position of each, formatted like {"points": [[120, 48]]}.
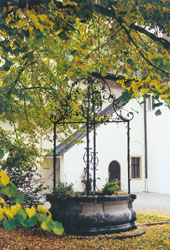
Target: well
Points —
{"points": [[91, 215]]}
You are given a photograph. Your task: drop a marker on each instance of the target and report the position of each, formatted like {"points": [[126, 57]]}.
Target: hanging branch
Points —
{"points": [[163, 41], [137, 47]]}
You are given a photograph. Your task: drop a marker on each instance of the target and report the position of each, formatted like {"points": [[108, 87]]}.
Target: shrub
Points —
{"points": [[63, 190], [111, 187], [13, 216], [20, 163]]}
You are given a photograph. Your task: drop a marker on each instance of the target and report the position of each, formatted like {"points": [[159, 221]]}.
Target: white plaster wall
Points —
{"points": [[111, 145], [137, 142], [72, 172], [159, 151]]}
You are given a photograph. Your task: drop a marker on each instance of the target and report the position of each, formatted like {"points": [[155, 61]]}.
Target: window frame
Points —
{"points": [[140, 167]]}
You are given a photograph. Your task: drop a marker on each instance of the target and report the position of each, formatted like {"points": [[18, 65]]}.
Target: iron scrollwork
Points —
{"points": [[90, 96]]}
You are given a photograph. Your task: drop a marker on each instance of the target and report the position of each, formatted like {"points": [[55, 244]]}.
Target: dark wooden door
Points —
{"points": [[114, 171]]}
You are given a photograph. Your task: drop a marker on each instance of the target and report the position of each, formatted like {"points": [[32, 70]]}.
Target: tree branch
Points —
{"points": [[140, 52], [164, 42]]}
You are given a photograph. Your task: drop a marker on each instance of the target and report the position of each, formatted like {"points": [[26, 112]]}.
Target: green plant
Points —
{"points": [[111, 187], [63, 190], [16, 215], [20, 164]]}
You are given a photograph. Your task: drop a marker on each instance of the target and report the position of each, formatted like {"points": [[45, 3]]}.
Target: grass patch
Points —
{"points": [[154, 217], [157, 237]]}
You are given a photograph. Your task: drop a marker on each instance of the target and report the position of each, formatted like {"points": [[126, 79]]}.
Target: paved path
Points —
{"points": [[152, 202]]}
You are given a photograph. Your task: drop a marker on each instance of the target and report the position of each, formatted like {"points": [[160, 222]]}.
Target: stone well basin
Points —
{"points": [[91, 215]]}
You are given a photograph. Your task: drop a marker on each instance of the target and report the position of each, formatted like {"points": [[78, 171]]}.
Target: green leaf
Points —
{"points": [[10, 224], [145, 96], [130, 62], [158, 112], [28, 223], [73, 52], [1, 153], [126, 95], [19, 199], [47, 224], [7, 65], [22, 214], [10, 191], [62, 35], [167, 101], [124, 71], [157, 104], [16, 52], [28, 56], [58, 228]]}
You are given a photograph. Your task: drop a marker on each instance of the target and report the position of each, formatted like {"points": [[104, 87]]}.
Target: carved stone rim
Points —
{"points": [[94, 198]]}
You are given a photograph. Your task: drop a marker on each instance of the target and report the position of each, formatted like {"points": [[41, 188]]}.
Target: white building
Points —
{"points": [[149, 152]]}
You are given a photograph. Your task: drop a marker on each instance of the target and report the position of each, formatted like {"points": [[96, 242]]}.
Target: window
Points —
{"points": [[135, 167]]}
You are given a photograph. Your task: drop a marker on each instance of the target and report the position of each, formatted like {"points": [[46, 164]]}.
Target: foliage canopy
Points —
{"points": [[44, 44]]}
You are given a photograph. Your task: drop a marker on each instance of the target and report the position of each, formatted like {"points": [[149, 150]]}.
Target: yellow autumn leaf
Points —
{"points": [[44, 226], [65, 44], [137, 94], [34, 19], [164, 96], [103, 73], [45, 19], [18, 206], [102, 60], [19, 12], [43, 210], [144, 91], [9, 213], [21, 23], [150, 57], [31, 29], [68, 2], [149, 6], [2, 201], [30, 211], [69, 73], [92, 56], [82, 66], [14, 210], [153, 83], [166, 9], [84, 43], [4, 178], [1, 213], [76, 59], [84, 52], [128, 20]]}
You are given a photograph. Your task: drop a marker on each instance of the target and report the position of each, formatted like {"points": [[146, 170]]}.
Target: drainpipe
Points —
{"points": [[145, 148], [128, 154], [54, 159]]}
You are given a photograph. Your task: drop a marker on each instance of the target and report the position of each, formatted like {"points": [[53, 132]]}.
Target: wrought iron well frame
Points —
{"points": [[96, 92]]}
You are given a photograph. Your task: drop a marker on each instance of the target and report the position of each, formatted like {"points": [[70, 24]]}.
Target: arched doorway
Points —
{"points": [[114, 171]]}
